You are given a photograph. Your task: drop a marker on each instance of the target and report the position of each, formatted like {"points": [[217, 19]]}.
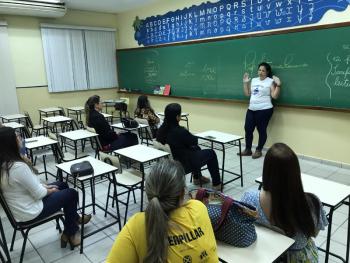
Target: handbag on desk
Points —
{"points": [[232, 221], [81, 169], [129, 122]]}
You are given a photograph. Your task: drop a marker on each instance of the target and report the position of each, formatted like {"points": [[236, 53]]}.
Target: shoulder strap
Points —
{"points": [[201, 194], [225, 207]]}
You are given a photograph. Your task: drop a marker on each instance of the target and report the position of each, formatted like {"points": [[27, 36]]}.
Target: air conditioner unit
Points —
{"points": [[49, 8]]}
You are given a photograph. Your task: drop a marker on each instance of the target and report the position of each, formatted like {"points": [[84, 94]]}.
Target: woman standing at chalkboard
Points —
{"points": [[260, 90]]}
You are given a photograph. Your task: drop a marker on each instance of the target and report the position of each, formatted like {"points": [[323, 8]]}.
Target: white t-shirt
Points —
{"points": [[23, 192], [260, 94]]}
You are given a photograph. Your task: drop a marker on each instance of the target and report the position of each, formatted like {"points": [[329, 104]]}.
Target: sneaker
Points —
{"points": [[257, 154], [217, 187], [246, 152], [204, 180]]}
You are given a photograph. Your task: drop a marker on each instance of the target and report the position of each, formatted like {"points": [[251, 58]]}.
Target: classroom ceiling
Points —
{"points": [[108, 6]]}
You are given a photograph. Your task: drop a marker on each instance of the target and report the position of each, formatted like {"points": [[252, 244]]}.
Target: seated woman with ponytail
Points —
{"points": [[109, 139], [170, 230]]}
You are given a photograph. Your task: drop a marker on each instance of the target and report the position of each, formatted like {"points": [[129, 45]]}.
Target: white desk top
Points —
{"points": [[55, 119], [76, 108], [330, 193], [14, 125], [106, 115], [112, 101], [51, 109], [183, 114], [40, 141], [217, 136], [13, 116], [268, 247], [78, 135], [120, 126], [100, 167], [141, 153]]}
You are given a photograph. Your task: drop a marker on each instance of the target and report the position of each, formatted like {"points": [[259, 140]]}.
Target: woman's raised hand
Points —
{"points": [[246, 78], [277, 80]]}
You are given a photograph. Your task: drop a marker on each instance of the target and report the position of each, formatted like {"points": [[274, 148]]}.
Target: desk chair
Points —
{"points": [[130, 179], [25, 228], [4, 252], [122, 109], [98, 148], [145, 134]]}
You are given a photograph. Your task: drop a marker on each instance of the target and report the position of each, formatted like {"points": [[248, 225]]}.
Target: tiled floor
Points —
{"points": [[44, 242]]}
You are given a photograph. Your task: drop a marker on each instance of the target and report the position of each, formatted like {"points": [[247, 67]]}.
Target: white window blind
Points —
{"points": [[78, 58], [8, 98]]}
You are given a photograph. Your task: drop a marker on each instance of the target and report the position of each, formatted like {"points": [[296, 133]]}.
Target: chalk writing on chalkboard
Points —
{"points": [[188, 72], [338, 76], [287, 61]]}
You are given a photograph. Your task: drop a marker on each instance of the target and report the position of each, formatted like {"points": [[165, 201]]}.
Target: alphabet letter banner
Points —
{"points": [[230, 17]]}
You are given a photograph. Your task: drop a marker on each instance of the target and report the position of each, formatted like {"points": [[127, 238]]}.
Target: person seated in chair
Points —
{"points": [[282, 203], [162, 233], [145, 111], [28, 199], [184, 148], [109, 139]]}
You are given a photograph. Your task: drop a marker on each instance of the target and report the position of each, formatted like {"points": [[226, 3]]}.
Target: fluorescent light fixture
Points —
{"points": [[49, 1]]}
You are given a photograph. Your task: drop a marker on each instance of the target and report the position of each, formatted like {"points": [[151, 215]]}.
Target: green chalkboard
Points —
{"points": [[314, 67]]}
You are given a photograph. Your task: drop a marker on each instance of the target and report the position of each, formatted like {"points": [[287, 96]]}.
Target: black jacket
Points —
{"points": [[182, 144], [105, 133]]}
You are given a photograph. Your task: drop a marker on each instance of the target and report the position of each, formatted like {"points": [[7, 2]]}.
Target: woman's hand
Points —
{"points": [[246, 78], [277, 81]]}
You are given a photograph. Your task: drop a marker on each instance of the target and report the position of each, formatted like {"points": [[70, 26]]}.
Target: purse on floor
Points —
{"points": [[232, 221], [81, 169]]}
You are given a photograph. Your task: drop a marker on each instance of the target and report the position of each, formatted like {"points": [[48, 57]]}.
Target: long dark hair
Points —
{"points": [[291, 207], [9, 150], [164, 188], [171, 111], [143, 102], [267, 67], [90, 106]]}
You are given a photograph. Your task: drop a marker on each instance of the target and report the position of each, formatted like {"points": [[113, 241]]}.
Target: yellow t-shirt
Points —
{"points": [[192, 240]]}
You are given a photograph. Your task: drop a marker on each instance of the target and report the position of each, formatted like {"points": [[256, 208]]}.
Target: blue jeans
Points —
{"points": [[259, 119], [66, 198]]}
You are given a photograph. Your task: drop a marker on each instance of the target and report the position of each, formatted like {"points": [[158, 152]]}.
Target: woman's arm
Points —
{"points": [[246, 84], [24, 176], [276, 87]]}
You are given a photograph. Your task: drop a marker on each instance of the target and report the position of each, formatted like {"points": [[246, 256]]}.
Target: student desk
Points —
{"points": [[77, 110], [48, 111], [75, 136], [184, 117], [40, 142], [100, 169], [54, 120], [332, 195], [224, 139], [138, 129], [108, 117], [110, 103], [141, 154], [18, 126], [15, 117], [268, 246]]}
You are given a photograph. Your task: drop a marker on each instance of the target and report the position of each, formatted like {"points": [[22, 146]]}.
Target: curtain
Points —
{"points": [[78, 58]]}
